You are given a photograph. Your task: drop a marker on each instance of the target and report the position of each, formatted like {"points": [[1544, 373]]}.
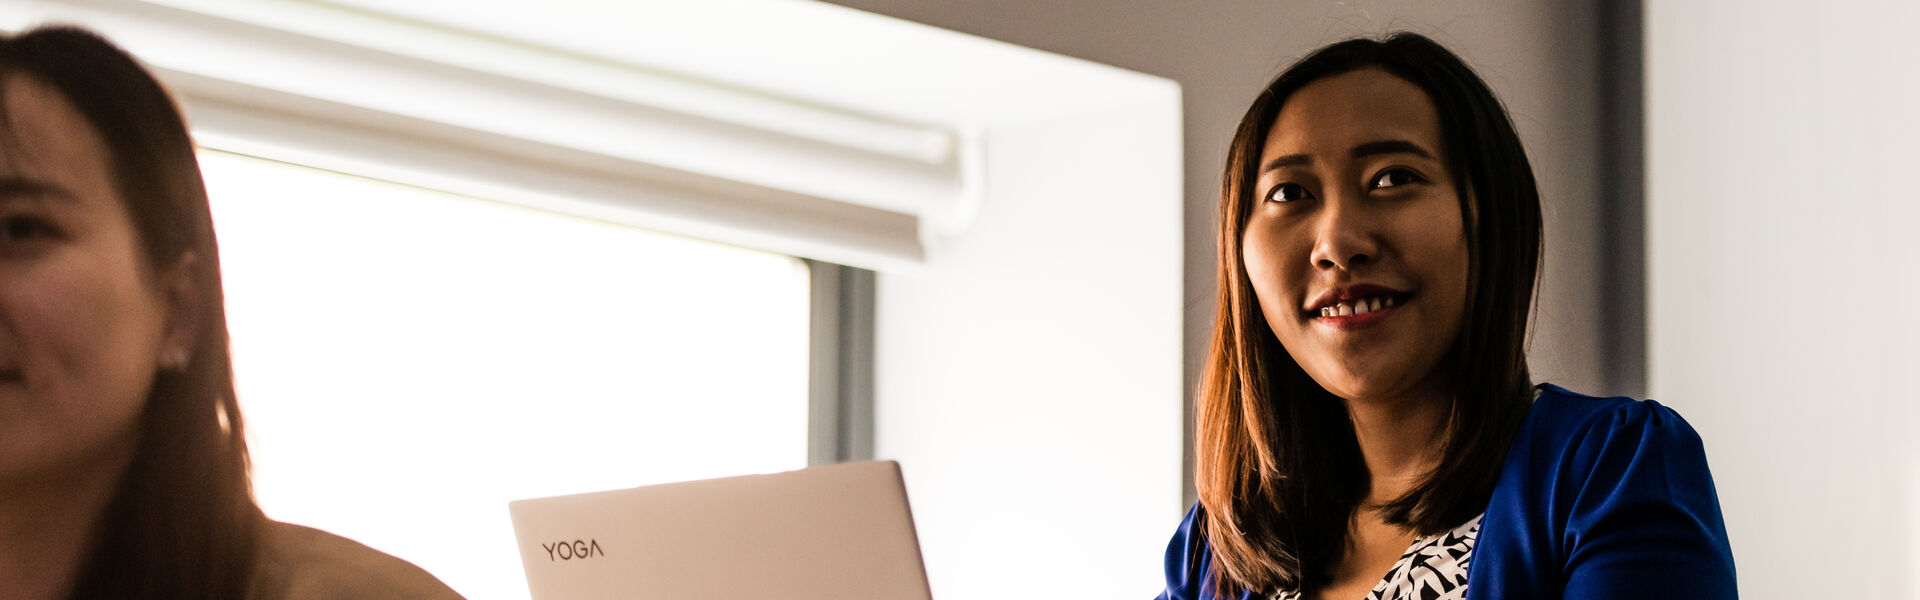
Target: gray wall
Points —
{"points": [[1543, 58]]}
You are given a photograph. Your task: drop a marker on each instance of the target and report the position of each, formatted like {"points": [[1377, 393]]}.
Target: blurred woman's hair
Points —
{"points": [[1278, 468], [183, 523]]}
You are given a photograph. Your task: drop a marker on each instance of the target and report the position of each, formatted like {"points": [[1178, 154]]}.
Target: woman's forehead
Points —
{"points": [[1331, 117], [44, 138]]}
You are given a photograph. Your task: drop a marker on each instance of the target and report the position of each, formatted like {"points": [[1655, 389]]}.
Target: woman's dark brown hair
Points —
{"points": [[1278, 467], [183, 522]]}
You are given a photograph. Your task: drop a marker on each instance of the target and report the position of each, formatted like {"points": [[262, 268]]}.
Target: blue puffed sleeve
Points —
{"points": [[1188, 560], [1643, 521], [1603, 499]]}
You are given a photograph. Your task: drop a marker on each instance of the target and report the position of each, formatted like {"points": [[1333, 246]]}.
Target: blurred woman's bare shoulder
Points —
{"points": [[303, 563]]}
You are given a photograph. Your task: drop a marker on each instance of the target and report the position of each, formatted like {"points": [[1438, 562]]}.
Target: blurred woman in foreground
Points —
{"points": [[123, 462]]}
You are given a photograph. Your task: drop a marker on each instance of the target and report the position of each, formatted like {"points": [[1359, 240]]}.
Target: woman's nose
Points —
{"points": [[1344, 237]]}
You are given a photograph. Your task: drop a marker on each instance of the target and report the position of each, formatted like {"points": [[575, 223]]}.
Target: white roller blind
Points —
{"points": [[427, 104]]}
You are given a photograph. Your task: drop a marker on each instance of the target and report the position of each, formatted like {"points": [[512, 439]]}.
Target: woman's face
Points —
{"points": [[1355, 244], [83, 320]]}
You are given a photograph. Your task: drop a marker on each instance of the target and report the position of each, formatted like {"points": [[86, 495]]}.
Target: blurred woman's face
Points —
{"points": [[82, 318], [1355, 246]]}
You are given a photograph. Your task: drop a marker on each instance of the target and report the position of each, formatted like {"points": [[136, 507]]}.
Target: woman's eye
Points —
{"points": [[26, 229], [1394, 177], [1288, 192]]}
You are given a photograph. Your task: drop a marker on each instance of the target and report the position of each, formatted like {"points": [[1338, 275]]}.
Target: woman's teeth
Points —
{"points": [[1356, 307]]}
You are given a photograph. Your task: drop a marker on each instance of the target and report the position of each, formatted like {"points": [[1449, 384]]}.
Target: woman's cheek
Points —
{"points": [[1263, 273]]}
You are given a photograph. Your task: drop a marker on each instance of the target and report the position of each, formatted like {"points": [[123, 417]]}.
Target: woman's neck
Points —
{"points": [[1399, 439], [47, 525]]}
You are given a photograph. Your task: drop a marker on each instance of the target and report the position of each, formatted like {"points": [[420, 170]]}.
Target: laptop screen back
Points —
{"points": [[840, 532]]}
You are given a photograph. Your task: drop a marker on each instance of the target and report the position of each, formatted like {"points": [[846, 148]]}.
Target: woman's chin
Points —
{"points": [[1370, 381]]}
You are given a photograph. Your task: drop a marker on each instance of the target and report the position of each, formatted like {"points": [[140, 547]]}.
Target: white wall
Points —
{"points": [[1782, 140], [1022, 379]]}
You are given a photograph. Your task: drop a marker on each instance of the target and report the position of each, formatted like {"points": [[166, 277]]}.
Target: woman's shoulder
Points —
{"points": [[1562, 415], [1598, 497], [1189, 562], [1600, 442], [303, 563]]}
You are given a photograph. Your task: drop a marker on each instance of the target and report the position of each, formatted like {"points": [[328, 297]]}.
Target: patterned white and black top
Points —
{"points": [[1433, 568]]}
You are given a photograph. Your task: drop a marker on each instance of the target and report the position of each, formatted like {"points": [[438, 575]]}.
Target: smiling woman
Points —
{"points": [[1367, 424], [123, 466]]}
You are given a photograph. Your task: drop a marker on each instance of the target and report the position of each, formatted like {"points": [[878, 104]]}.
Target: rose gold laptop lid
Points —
{"points": [[839, 532]]}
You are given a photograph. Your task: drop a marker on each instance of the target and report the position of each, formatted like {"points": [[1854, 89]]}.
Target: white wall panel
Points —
{"points": [[1783, 281], [1024, 380]]}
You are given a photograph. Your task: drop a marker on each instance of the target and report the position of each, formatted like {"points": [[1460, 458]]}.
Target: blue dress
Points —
{"points": [[1598, 499]]}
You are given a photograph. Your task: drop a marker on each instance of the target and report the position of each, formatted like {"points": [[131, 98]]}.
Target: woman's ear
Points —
{"points": [[183, 295]]}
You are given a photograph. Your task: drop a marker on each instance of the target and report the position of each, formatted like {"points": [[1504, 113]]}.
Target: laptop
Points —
{"points": [[836, 532]]}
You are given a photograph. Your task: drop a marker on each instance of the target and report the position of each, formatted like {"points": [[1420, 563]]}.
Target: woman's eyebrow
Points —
{"points": [[16, 187], [1390, 147], [1374, 148], [1286, 161]]}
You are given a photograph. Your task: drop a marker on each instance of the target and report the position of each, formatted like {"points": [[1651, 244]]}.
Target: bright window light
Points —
{"points": [[409, 361]]}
